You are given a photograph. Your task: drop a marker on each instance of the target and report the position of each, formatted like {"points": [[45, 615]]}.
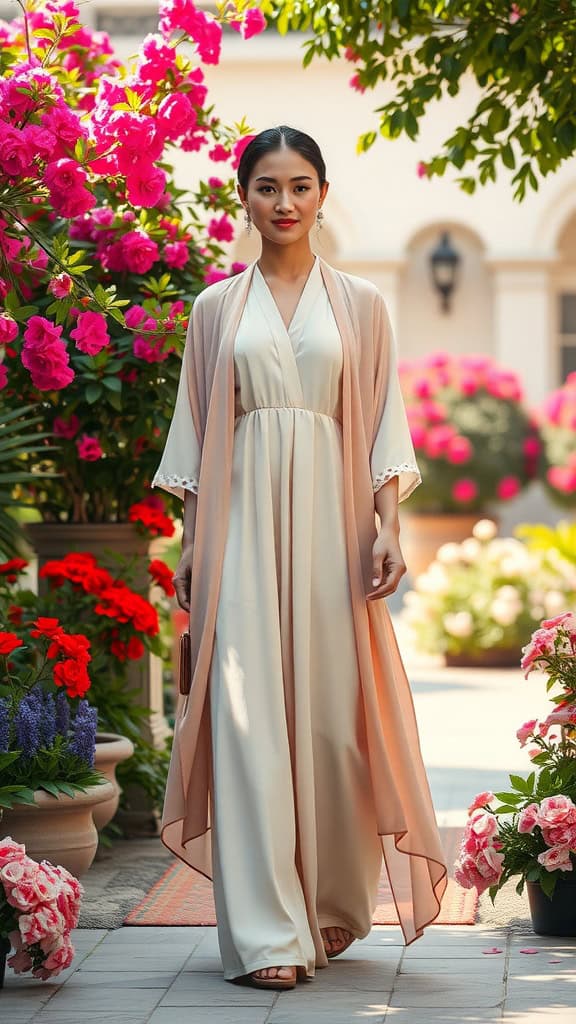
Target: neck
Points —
{"points": [[288, 262]]}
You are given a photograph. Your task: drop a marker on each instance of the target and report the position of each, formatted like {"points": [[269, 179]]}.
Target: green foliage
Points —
{"points": [[19, 437], [553, 541], [520, 56]]}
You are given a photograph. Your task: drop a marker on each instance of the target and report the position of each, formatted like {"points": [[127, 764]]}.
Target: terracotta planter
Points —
{"points": [[556, 916], [59, 829], [496, 657], [110, 751], [423, 533]]}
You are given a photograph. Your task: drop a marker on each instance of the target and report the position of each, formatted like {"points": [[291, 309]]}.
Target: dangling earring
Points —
{"points": [[319, 219], [248, 221]]}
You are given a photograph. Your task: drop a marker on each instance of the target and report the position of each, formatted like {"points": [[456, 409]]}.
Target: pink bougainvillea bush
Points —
{"points": [[475, 440], [557, 421], [39, 907], [530, 830], [102, 253]]}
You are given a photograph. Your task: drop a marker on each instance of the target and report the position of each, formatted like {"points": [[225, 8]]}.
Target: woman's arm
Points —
{"points": [[387, 562]]}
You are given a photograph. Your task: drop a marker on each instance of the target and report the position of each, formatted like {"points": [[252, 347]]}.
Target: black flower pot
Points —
{"points": [[4, 950], [556, 916]]}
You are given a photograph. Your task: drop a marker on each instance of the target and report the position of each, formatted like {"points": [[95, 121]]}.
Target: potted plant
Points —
{"points": [[47, 743], [475, 442], [557, 465], [478, 601], [530, 829], [39, 907], [120, 624]]}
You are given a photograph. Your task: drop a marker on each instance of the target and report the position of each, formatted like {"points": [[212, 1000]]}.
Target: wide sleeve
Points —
{"points": [[392, 451], [179, 468]]}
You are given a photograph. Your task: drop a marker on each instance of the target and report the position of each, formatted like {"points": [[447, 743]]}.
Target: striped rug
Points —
{"points": [[184, 897]]}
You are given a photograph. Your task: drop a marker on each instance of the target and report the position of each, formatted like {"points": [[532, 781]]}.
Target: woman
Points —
{"points": [[296, 763]]}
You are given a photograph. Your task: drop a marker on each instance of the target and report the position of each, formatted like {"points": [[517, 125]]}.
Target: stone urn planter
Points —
{"points": [[111, 749], [556, 916], [494, 657], [422, 533], [59, 829]]}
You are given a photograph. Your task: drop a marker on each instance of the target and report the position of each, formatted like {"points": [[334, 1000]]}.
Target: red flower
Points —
{"points": [[15, 614], [8, 642], [135, 648], [120, 603], [46, 627], [162, 575], [73, 676], [155, 521], [73, 645], [12, 568]]}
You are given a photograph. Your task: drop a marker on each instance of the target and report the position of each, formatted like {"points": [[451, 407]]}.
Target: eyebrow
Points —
{"points": [[299, 177]]}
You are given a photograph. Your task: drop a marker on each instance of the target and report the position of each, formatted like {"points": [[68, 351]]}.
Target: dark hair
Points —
{"points": [[274, 138]]}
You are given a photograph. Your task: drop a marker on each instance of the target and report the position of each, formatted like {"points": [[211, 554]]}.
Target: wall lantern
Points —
{"points": [[444, 263]]}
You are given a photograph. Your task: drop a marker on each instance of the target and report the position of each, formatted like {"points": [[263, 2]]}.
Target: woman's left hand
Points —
{"points": [[387, 564]]}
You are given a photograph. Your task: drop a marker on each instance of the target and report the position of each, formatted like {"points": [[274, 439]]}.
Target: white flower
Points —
{"points": [[555, 602], [412, 599], [537, 612], [508, 594], [458, 624], [470, 549], [449, 554], [484, 529], [505, 613], [434, 581]]}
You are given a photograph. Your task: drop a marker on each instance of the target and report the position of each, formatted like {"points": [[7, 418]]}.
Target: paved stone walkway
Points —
{"points": [[173, 975]]}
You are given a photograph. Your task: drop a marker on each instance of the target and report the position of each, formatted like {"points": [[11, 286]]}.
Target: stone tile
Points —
{"points": [[456, 952], [539, 1015], [546, 942], [218, 1015], [196, 989], [354, 973], [208, 945], [208, 964], [419, 1015], [119, 979], [452, 992], [172, 960], [540, 993], [48, 1016], [158, 936], [101, 998], [308, 1007], [477, 966]]}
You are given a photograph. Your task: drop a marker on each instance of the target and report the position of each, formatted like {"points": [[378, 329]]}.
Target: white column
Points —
{"points": [[523, 325]]}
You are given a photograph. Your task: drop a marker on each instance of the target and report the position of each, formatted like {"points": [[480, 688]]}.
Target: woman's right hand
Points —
{"points": [[182, 577]]}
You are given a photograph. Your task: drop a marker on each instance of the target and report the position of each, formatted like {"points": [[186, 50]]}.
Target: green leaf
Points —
{"points": [[93, 393]]}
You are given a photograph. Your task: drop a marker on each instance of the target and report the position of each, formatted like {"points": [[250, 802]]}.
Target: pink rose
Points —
{"points": [[60, 957], [8, 328], [562, 478], [48, 364], [145, 186], [89, 448], [134, 316], [528, 818], [459, 450], [20, 961], [562, 835], [10, 850], [40, 924], [221, 228], [176, 115], [91, 333], [567, 620], [526, 730], [251, 24], [140, 252], [438, 440], [480, 800], [556, 810], [464, 491], [176, 254], [66, 428], [60, 286], [483, 824], [556, 858]]}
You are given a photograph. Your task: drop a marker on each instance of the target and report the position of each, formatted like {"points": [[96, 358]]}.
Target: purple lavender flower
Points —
{"points": [[48, 721], [4, 725], [27, 721], [62, 713], [83, 740]]}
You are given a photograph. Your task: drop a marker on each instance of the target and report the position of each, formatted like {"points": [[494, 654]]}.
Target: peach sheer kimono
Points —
{"points": [[285, 434]]}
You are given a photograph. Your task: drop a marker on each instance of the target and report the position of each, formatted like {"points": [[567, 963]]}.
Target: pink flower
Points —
{"points": [[20, 961], [134, 316], [3, 376], [61, 286], [562, 835], [422, 169], [558, 858], [566, 619], [40, 923], [531, 447], [438, 440], [528, 818], [482, 824], [89, 448], [156, 58], [562, 478], [60, 956], [45, 356], [145, 185], [251, 24], [508, 487], [482, 798], [464, 490], [176, 254], [221, 228], [237, 267], [212, 275], [140, 252], [422, 387], [91, 334], [66, 428], [515, 14], [239, 147], [526, 730], [176, 115], [459, 450], [219, 153], [10, 850], [205, 32], [355, 83], [556, 810], [418, 435], [8, 328], [15, 151]]}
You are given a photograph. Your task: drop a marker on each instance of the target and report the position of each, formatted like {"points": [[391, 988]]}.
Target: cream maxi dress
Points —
{"points": [[295, 840]]}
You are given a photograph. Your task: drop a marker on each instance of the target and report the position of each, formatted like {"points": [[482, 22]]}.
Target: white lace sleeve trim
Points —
{"points": [[173, 480], [390, 471]]}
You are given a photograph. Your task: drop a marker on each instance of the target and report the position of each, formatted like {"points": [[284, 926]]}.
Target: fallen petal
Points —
{"points": [[554, 961], [529, 949], [493, 949]]}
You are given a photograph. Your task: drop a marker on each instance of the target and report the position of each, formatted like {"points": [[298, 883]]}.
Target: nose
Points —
{"points": [[283, 203]]}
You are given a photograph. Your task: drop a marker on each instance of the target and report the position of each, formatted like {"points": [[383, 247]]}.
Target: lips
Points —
{"points": [[284, 223]]}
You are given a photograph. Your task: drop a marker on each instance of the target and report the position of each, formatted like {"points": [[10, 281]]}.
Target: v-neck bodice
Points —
{"points": [[297, 367]]}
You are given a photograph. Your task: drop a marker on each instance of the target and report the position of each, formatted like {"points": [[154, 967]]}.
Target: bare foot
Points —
{"points": [[285, 973], [336, 939]]}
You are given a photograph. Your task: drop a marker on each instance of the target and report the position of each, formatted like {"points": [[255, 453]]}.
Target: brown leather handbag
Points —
{"points": [[185, 668]]}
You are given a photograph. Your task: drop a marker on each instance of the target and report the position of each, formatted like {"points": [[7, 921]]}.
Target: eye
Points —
{"points": [[264, 187], [305, 187]]}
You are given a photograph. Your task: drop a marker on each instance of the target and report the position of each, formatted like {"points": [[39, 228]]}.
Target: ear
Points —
{"points": [[241, 194], [324, 190]]}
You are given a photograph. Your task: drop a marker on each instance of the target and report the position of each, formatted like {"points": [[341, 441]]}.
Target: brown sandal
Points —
{"points": [[276, 983], [337, 952]]}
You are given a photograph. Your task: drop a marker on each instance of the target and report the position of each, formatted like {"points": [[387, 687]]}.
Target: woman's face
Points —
{"points": [[283, 186]]}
